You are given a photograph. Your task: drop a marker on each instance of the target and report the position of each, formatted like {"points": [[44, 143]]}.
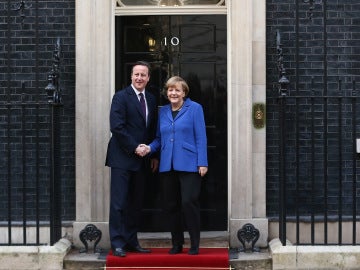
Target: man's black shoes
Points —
{"points": [[119, 252], [138, 249]]}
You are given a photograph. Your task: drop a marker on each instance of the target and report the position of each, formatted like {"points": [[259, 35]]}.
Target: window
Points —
{"points": [[168, 3]]}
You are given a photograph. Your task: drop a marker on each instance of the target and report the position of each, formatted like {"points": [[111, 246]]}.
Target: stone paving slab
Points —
{"points": [[313, 257], [34, 257]]}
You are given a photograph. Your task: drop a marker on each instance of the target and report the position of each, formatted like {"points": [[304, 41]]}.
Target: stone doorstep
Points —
{"points": [[255, 260], [91, 261], [75, 260]]}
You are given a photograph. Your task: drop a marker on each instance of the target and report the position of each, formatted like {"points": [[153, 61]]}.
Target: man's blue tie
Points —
{"points": [[142, 103]]}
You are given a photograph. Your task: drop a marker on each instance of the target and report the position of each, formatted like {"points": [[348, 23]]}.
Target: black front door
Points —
{"points": [[193, 47]]}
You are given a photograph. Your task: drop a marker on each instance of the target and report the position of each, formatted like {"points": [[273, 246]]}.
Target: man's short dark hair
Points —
{"points": [[142, 63]]}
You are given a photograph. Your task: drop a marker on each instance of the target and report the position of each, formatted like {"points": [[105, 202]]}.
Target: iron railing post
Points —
{"points": [[282, 175], [283, 85], [53, 91]]}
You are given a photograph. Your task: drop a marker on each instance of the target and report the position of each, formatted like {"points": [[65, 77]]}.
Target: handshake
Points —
{"points": [[142, 150]]}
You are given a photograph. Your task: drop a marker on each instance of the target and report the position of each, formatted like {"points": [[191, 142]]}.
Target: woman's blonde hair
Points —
{"points": [[174, 80]]}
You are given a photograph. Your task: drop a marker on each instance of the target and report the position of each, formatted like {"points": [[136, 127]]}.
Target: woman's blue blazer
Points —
{"points": [[182, 141]]}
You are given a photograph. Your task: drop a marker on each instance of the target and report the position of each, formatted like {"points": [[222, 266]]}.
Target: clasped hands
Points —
{"points": [[142, 150]]}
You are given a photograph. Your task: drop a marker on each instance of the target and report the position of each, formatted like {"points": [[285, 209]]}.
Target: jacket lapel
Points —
{"points": [[184, 108], [134, 100], [168, 112]]}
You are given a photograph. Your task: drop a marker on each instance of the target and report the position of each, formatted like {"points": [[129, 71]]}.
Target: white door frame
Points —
{"points": [[95, 21]]}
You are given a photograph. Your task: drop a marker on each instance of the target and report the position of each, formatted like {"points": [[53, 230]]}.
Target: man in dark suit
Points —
{"points": [[132, 122]]}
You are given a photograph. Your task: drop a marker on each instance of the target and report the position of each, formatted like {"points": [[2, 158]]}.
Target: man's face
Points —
{"points": [[140, 77]]}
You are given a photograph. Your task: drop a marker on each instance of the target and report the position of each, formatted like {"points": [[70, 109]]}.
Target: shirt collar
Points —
{"points": [[137, 92]]}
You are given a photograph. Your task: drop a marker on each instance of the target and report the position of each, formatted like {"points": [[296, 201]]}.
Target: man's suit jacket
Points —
{"points": [[129, 128], [181, 140]]}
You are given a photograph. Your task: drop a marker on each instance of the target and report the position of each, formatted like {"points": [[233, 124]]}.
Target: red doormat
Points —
{"points": [[207, 259]]}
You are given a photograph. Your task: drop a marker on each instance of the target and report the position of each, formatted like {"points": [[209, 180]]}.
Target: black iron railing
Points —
{"points": [[319, 163], [25, 158], [318, 159], [30, 167], [318, 127]]}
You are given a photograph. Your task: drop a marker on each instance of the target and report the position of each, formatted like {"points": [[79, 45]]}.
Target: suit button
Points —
{"points": [[171, 140]]}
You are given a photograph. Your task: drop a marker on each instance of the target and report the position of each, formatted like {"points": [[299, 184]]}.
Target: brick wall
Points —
{"points": [[26, 58], [318, 63], [26, 53]]}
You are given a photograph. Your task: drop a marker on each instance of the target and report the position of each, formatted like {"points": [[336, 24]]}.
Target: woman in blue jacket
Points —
{"points": [[181, 139]]}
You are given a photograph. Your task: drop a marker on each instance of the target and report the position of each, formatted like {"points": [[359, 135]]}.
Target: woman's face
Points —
{"points": [[175, 93]]}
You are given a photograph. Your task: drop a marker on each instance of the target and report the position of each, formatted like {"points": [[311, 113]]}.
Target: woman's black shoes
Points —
{"points": [[179, 249], [175, 250], [193, 251]]}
